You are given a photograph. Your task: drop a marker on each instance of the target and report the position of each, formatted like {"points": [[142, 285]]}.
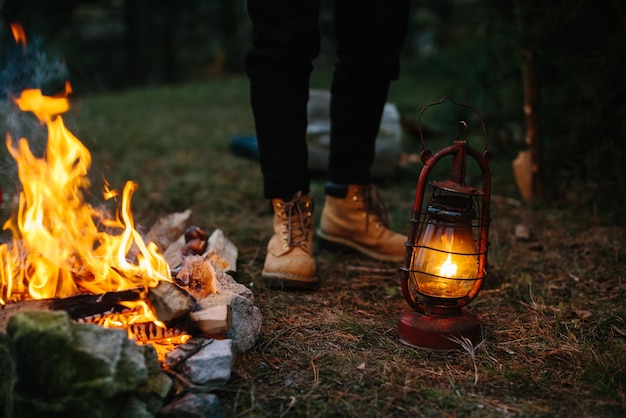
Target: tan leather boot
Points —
{"points": [[359, 221], [289, 263]]}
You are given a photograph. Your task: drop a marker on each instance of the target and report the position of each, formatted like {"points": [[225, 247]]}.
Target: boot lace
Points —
{"points": [[375, 209], [298, 216]]}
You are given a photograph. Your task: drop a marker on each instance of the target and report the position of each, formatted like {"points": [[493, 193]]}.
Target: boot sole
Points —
{"points": [[334, 241], [281, 282]]}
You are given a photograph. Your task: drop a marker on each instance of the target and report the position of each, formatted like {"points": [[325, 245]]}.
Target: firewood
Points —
{"points": [[197, 276], [170, 301], [218, 262], [214, 320], [222, 252], [78, 306], [149, 331], [174, 253], [167, 229]]}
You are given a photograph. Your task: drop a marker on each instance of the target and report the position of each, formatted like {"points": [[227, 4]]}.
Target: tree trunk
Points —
{"points": [[527, 165]]}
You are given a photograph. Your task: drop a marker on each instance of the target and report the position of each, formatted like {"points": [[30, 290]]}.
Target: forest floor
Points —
{"points": [[552, 306]]}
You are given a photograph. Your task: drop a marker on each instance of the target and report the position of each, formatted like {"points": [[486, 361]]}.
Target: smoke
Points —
{"points": [[24, 66]]}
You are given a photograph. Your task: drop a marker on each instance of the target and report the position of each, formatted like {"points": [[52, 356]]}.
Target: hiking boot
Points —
{"points": [[289, 263], [354, 217]]}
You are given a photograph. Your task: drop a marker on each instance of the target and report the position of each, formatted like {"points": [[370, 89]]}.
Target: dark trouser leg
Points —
{"points": [[285, 41], [370, 34]]}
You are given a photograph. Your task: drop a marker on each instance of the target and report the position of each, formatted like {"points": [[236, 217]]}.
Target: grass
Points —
{"points": [[552, 306]]}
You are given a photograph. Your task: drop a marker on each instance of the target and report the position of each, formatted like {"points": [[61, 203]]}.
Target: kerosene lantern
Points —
{"points": [[446, 250]]}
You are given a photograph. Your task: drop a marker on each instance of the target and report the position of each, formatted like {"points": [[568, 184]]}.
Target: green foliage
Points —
{"points": [[578, 52], [583, 112]]}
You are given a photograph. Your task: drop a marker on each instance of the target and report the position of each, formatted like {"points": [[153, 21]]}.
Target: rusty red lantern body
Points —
{"points": [[446, 256]]}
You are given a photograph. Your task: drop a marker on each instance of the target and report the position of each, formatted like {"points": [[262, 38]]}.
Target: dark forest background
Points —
{"points": [[480, 46]]}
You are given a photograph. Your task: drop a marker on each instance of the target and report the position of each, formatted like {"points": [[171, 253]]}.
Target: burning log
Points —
{"points": [[175, 304], [78, 306], [142, 331], [149, 331], [172, 305], [188, 306]]}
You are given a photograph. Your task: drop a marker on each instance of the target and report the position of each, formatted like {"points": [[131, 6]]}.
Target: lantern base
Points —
{"points": [[438, 332]]}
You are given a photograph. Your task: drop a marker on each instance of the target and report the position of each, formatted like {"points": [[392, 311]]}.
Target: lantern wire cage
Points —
{"points": [[468, 285]]}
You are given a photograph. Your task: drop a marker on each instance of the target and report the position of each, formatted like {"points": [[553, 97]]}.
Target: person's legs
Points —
{"points": [[285, 41], [370, 34]]}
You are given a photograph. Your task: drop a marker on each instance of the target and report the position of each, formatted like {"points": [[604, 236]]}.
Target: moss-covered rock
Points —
{"points": [[68, 370], [158, 386], [43, 347]]}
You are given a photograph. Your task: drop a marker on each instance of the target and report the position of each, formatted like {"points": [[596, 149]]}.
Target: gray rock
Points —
{"points": [[246, 319], [203, 362], [193, 405], [225, 283], [388, 141]]}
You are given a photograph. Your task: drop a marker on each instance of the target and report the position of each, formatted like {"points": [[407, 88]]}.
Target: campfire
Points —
{"points": [[170, 288], [63, 246]]}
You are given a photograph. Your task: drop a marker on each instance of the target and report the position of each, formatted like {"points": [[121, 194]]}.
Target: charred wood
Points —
{"points": [[78, 306]]}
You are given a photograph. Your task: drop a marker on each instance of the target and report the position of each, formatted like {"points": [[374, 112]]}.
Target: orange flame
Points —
{"points": [[18, 33], [63, 246], [448, 269]]}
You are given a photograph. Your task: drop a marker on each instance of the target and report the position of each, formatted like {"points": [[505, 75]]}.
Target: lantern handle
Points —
{"points": [[486, 152]]}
